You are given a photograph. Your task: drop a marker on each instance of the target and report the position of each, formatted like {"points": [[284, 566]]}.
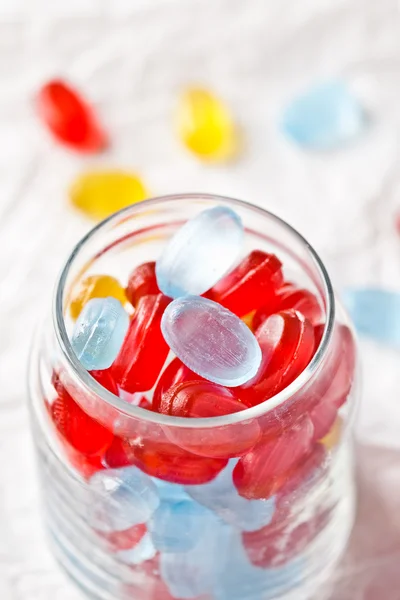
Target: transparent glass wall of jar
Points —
{"points": [[268, 535]]}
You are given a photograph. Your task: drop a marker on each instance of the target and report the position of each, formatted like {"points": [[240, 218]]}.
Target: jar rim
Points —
{"points": [[205, 422]]}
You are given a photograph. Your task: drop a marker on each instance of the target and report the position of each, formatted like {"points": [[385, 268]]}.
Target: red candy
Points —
{"points": [[82, 432], [289, 297], [251, 284], [69, 118], [176, 372], [144, 350], [126, 539], [287, 344], [106, 379], [261, 472], [142, 282]]}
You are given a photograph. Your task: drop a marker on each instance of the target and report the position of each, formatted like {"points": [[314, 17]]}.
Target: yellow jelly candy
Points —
{"points": [[333, 436], [248, 319], [205, 125], [95, 286], [100, 193]]}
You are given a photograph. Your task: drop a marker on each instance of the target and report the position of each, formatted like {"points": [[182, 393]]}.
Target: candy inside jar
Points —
{"points": [[204, 428]]}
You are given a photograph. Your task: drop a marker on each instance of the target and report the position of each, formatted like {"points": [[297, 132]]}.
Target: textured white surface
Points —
{"points": [[131, 57]]}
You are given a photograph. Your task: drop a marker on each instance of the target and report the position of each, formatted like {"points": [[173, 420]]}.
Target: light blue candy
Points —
{"points": [[121, 498], [375, 313], [221, 496], [211, 340], [99, 332], [326, 116], [170, 492], [200, 252], [144, 550], [176, 527]]}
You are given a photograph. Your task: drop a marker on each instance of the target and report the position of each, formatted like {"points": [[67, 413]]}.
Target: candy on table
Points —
{"points": [[326, 116], [144, 350], [95, 286], [121, 498], [221, 496], [205, 125], [175, 372], [375, 313], [99, 332], [142, 551], [252, 283], [99, 194], [83, 433], [142, 282], [261, 472], [287, 345], [211, 340], [287, 297], [200, 252], [69, 118], [176, 526]]}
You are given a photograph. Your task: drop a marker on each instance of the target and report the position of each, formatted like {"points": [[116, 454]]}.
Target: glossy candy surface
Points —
{"points": [[251, 284], [144, 350], [142, 282], [99, 333], [98, 194], [122, 498], [211, 341], [324, 117], [290, 297], [200, 252], [69, 118], [175, 372], [95, 286], [205, 125]]}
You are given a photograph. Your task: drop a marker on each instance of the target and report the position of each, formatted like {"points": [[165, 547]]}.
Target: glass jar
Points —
{"points": [[253, 505]]}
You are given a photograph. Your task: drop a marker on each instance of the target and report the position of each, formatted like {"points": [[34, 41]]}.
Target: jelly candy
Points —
{"points": [[82, 432], [115, 455], [99, 194], [105, 379], [143, 551], [95, 286], [69, 118], [121, 498], [205, 125], [175, 372], [99, 333], [302, 478], [211, 341], [125, 539], [176, 527], [302, 300], [375, 313], [287, 344], [198, 399], [170, 492], [251, 284], [221, 496], [260, 473], [200, 252], [144, 350], [324, 117], [142, 282]]}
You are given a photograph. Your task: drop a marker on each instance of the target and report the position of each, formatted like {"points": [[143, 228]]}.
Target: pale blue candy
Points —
{"points": [[241, 579], [99, 332], [194, 573], [176, 526], [200, 253], [171, 492], [375, 313], [211, 340], [326, 116], [121, 498], [221, 496], [144, 550]]}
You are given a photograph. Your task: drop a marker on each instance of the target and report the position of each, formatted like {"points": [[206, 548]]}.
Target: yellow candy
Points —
{"points": [[333, 436], [248, 319], [205, 125], [95, 286], [100, 193]]}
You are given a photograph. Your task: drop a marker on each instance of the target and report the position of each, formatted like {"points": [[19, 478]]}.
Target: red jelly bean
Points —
{"points": [[144, 350], [251, 284], [106, 379], [289, 297], [261, 472], [69, 118], [82, 432], [176, 372], [287, 344], [142, 282]]}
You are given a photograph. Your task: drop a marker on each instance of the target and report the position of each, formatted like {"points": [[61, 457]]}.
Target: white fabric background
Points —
{"points": [[131, 57]]}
